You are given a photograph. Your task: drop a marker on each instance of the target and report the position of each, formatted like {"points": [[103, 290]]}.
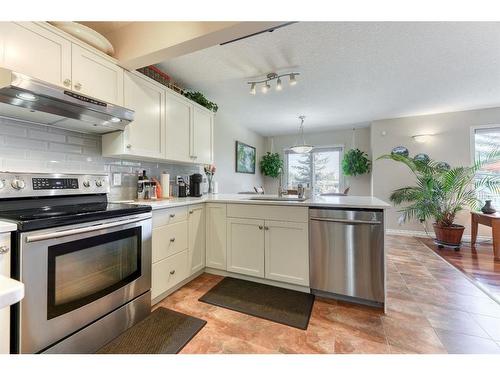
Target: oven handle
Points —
{"points": [[93, 228]]}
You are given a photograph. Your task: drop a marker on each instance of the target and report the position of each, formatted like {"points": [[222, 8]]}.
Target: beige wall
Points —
{"points": [[451, 143], [360, 185], [226, 133]]}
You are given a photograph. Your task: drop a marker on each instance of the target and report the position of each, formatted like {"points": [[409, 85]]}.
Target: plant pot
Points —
{"points": [[450, 236]]}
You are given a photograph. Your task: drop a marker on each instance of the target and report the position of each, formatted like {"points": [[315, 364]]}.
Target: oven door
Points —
{"points": [[77, 274]]}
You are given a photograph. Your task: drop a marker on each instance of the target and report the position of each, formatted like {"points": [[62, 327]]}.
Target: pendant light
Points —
{"points": [[301, 147]]}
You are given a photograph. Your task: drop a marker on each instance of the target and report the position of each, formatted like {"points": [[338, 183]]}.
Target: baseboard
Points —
{"points": [[280, 284], [417, 233]]}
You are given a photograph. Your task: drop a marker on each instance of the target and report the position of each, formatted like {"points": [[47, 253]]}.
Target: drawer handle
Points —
{"points": [[191, 212], [129, 146], [172, 272], [67, 82], [172, 239], [4, 249], [172, 216], [260, 227], [266, 228]]}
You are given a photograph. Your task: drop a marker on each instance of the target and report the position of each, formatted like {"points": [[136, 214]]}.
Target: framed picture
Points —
{"points": [[245, 158]]}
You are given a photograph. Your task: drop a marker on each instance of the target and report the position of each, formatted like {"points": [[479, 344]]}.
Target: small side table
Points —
{"points": [[490, 220]]}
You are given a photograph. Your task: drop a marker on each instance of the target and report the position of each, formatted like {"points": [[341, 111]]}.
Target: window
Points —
{"points": [[485, 140], [320, 169]]}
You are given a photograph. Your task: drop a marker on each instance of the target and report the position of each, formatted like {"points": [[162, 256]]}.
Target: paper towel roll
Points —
{"points": [[165, 184]]}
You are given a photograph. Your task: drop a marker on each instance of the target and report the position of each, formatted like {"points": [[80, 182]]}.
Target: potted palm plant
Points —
{"points": [[441, 192]]}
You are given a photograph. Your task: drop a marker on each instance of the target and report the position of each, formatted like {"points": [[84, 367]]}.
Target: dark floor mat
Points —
{"points": [[163, 332], [263, 301]]}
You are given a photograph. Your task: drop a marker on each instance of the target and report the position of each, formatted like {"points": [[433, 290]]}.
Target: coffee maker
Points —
{"points": [[195, 181]]}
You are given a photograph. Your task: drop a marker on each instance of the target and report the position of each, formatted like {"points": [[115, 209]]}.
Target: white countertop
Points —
{"points": [[11, 291], [6, 226], [348, 201]]}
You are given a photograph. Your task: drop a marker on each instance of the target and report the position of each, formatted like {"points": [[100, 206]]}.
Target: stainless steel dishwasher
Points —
{"points": [[346, 254]]}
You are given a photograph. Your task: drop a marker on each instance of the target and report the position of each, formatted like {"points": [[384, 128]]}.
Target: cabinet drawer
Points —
{"points": [[168, 272], [169, 216], [169, 240], [264, 212]]}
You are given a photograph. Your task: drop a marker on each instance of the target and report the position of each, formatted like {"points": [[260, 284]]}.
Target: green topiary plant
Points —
{"points": [[271, 164], [355, 162], [199, 98]]}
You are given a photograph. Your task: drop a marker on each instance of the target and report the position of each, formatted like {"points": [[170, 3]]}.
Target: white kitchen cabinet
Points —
{"points": [[5, 312], [35, 51], [169, 272], [178, 128], [287, 252], [145, 136], [245, 246], [201, 136], [196, 230], [216, 235], [96, 76]]}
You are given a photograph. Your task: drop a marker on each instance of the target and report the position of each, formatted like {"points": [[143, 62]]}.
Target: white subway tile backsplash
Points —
{"points": [[44, 135], [37, 148]]}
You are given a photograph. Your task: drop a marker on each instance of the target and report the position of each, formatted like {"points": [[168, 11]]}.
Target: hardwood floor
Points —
{"points": [[431, 308], [476, 262]]}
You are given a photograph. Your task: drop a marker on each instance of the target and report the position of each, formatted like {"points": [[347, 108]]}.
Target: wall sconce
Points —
{"points": [[422, 138]]}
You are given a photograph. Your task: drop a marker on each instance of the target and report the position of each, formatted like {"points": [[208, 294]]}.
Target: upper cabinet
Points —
{"points": [[179, 118], [96, 76], [35, 51], [201, 146]]}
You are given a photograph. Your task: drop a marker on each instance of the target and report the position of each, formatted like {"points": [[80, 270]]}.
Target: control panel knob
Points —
{"points": [[98, 183], [86, 183], [18, 184], [2, 184]]}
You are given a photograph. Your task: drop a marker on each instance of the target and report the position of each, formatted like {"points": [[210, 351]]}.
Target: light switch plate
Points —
{"points": [[117, 179]]}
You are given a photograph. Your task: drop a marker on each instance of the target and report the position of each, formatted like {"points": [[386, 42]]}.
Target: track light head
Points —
{"points": [[252, 89], [293, 79], [278, 85], [265, 88]]}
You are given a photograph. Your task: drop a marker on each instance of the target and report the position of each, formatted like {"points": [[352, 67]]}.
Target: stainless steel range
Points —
{"points": [[85, 263]]}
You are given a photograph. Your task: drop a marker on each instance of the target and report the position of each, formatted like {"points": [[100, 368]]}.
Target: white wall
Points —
{"points": [[360, 185], [226, 134], [451, 143]]}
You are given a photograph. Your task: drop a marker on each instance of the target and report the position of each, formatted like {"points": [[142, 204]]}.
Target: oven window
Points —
{"points": [[85, 270]]}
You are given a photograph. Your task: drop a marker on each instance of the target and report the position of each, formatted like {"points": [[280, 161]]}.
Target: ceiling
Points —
{"points": [[350, 73]]}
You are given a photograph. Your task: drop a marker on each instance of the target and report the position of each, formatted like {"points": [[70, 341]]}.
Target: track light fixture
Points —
{"points": [[271, 77]]}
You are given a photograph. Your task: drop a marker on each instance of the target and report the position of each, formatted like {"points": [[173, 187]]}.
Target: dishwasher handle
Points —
{"points": [[347, 221]]}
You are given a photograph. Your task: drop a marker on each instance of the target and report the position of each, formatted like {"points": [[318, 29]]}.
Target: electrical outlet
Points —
{"points": [[117, 179]]}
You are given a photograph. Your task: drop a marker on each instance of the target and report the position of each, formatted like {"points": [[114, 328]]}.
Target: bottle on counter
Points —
{"points": [[153, 192], [147, 190], [140, 187]]}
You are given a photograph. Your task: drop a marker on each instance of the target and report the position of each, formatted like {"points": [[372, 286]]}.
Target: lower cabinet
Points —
{"points": [[5, 312], [216, 235], [245, 246], [169, 272], [196, 230], [287, 252]]}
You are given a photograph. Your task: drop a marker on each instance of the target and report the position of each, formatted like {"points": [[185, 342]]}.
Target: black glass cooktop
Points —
{"points": [[46, 213]]}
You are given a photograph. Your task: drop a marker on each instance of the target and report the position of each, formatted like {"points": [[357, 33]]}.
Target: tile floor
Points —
{"points": [[431, 308]]}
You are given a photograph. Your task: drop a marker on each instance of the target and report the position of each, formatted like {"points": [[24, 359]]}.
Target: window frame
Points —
{"points": [[340, 147]]}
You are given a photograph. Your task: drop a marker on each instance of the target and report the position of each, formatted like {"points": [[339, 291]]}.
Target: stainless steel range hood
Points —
{"points": [[29, 99]]}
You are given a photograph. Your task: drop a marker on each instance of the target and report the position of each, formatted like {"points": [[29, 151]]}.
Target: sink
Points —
{"points": [[285, 198], [11, 291]]}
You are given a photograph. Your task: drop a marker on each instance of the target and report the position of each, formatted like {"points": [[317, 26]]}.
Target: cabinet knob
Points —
{"points": [[67, 82], [172, 216], [172, 239], [266, 228], [191, 212], [260, 227], [78, 86], [172, 272], [4, 249], [129, 146]]}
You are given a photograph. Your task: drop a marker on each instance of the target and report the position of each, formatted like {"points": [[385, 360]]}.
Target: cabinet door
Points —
{"points": [[145, 136], [216, 236], [96, 76], [201, 139], [287, 252], [179, 113], [5, 312], [245, 246], [196, 230], [32, 50]]}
